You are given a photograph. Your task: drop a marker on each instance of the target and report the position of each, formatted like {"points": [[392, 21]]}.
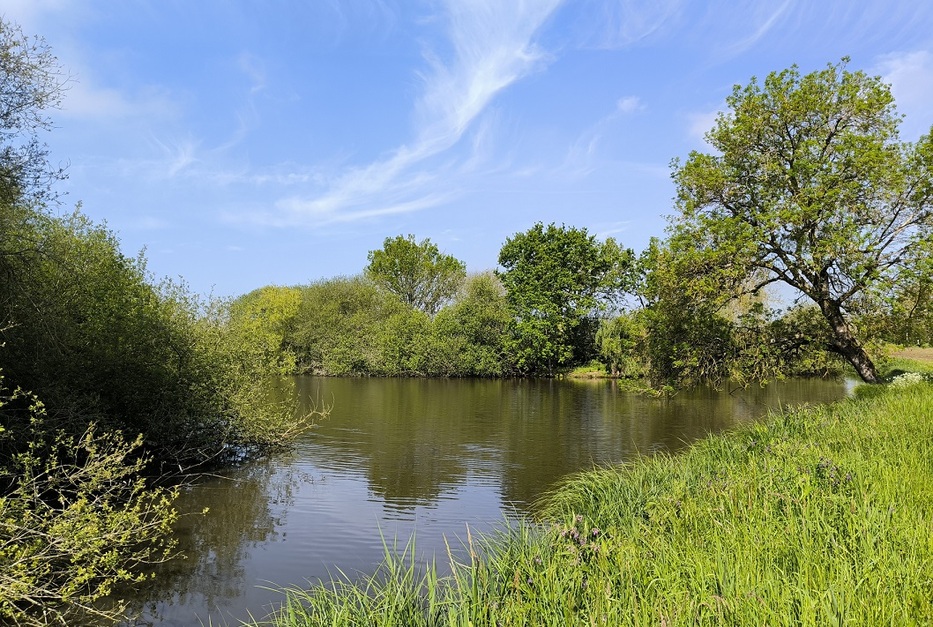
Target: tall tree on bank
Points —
{"points": [[558, 280], [417, 272], [809, 186]]}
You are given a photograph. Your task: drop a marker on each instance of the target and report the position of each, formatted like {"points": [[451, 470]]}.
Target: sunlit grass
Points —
{"points": [[592, 370], [814, 517]]}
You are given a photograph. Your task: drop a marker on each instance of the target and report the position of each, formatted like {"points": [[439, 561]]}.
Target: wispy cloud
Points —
{"points": [[614, 24], [614, 228], [252, 66], [177, 156], [86, 100], [764, 18], [28, 13], [147, 223], [297, 210], [583, 156], [491, 47]]}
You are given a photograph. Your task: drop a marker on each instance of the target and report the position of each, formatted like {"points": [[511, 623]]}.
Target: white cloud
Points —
{"points": [[83, 99], [701, 122], [583, 157], [253, 67], [147, 223], [492, 48], [911, 77], [612, 229], [297, 210], [629, 104]]}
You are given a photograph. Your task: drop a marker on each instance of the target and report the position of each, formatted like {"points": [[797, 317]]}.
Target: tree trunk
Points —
{"points": [[846, 344]]}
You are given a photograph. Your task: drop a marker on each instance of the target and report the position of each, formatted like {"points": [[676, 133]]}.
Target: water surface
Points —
{"points": [[404, 456]]}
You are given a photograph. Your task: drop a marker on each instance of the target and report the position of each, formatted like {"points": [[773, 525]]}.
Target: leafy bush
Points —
{"points": [[93, 337], [76, 519]]}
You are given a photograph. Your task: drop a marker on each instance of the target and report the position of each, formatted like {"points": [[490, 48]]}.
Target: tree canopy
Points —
{"points": [[31, 82], [417, 272], [809, 186], [557, 281]]}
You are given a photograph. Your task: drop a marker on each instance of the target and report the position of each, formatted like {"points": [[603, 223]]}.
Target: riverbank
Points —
{"points": [[815, 516]]}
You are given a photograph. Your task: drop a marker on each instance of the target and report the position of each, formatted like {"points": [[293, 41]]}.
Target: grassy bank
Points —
{"points": [[817, 516], [911, 359]]}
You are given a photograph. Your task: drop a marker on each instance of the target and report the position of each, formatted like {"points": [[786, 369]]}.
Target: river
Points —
{"points": [[398, 457]]}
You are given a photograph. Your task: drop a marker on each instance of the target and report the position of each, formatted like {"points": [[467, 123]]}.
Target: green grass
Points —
{"points": [[592, 370], [900, 359], [819, 516]]}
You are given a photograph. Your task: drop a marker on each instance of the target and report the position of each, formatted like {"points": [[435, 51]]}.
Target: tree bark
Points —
{"points": [[846, 344]]}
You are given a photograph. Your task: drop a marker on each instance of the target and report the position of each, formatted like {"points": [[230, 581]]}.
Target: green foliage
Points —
{"points": [[799, 338], [417, 272], [810, 187], [621, 342], [903, 314], [76, 519], [715, 329], [688, 341], [405, 345], [89, 333], [263, 319], [472, 331], [558, 281], [336, 328], [349, 326]]}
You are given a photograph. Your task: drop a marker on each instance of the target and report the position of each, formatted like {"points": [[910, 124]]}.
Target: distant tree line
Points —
{"points": [[414, 311], [810, 187], [560, 300]]}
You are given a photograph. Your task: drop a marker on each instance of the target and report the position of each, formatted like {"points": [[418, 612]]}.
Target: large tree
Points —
{"points": [[558, 281], [417, 272], [810, 186]]}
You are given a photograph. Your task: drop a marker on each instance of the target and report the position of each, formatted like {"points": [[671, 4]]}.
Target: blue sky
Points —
{"points": [[247, 143]]}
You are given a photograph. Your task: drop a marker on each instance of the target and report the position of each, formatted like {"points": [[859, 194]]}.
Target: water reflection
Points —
{"points": [[401, 456], [415, 439], [229, 519]]}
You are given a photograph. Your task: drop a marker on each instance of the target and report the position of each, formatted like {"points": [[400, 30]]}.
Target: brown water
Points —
{"points": [[404, 456]]}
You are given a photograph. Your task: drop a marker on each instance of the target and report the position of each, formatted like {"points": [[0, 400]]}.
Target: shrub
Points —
{"points": [[76, 519]]}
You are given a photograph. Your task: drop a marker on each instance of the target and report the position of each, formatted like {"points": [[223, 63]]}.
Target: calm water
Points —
{"points": [[430, 457]]}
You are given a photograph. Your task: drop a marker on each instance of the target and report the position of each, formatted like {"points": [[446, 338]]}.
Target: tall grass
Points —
{"points": [[818, 516]]}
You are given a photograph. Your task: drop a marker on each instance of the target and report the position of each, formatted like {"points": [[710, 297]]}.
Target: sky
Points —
{"points": [[244, 143]]}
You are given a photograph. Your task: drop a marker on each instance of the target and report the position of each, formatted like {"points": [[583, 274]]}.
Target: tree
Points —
{"points": [[620, 341], [558, 280], [77, 519], [336, 329], [688, 341], [418, 273], [811, 187], [262, 320], [471, 332], [30, 83], [904, 315]]}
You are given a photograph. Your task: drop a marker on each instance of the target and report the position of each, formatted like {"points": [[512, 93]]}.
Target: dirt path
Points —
{"points": [[917, 354]]}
